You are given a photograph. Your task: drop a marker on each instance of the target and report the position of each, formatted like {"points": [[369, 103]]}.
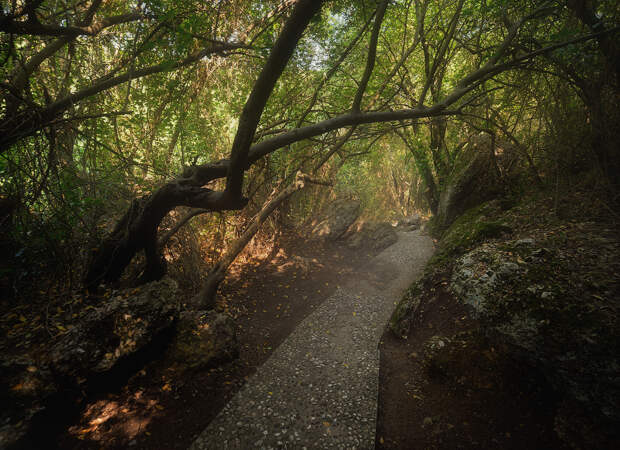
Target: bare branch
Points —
{"points": [[177, 226]]}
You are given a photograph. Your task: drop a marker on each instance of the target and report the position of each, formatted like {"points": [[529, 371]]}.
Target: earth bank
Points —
{"points": [[516, 308]]}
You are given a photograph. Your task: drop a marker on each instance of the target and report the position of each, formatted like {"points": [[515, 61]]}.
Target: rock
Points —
{"points": [[527, 242], [436, 356], [125, 324], [406, 313], [517, 304], [373, 235], [337, 220], [474, 180], [204, 339], [413, 220], [478, 273], [300, 263], [434, 344]]}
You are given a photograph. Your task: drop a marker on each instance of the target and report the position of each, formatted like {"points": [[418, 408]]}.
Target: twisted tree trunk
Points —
{"points": [[137, 229]]}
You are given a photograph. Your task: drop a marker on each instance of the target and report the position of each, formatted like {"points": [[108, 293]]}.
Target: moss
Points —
{"points": [[405, 310], [472, 228], [433, 227]]}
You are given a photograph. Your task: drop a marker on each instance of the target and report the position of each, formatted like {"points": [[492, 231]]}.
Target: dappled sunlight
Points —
{"points": [[240, 163], [125, 420]]}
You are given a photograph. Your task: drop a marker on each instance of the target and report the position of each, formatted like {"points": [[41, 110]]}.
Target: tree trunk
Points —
{"points": [[137, 230], [207, 295]]}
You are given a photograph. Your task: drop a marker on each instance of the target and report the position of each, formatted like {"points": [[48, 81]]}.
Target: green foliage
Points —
{"points": [[75, 176]]}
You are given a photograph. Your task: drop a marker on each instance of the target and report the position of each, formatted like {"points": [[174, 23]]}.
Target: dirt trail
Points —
{"points": [[166, 407], [319, 387]]}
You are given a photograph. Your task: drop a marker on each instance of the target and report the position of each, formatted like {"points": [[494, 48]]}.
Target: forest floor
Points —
{"points": [[165, 406], [319, 388], [493, 404]]}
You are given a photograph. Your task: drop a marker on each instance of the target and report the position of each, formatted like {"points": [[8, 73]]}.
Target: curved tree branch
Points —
{"points": [[278, 59]]}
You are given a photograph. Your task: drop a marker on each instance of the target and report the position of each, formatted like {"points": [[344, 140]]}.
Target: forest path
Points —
{"points": [[319, 388]]}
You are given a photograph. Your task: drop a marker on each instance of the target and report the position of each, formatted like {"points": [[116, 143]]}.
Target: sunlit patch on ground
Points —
{"points": [[128, 420]]}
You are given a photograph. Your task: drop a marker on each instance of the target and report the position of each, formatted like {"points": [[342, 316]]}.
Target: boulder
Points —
{"points": [[204, 339], [337, 220], [474, 180], [434, 344], [411, 222], [115, 332], [512, 289], [478, 274], [125, 324], [372, 235], [407, 311]]}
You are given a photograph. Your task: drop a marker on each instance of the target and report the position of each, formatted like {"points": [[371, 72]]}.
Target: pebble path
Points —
{"points": [[319, 388]]}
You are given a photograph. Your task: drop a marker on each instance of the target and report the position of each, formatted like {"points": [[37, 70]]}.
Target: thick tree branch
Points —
{"points": [[38, 29], [28, 122], [278, 59], [177, 226], [138, 229]]}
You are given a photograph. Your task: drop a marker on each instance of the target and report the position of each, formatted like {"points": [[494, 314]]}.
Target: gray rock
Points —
{"points": [[337, 220], [406, 313], [434, 344], [474, 180], [576, 361], [121, 327], [477, 275], [204, 339], [124, 325], [527, 242], [413, 220], [374, 235]]}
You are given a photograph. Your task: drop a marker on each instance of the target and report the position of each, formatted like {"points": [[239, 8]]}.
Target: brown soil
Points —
{"points": [[467, 395], [165, 407], [466, 399]]}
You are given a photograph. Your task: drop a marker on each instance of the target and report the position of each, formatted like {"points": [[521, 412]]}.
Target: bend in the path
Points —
{"points": [[319, 387]]}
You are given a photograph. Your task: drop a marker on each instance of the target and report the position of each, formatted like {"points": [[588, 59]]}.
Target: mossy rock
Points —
{"points": [[474, 226], [404, 315], [204, 339], [474, 180]]}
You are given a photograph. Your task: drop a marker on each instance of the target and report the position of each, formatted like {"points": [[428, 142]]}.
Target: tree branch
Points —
{"points": [[371, 57], [177, 226], [27, 123], [250, 116]]}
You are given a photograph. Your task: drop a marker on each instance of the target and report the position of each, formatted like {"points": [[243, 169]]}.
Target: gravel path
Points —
{"points": [[319, 387]]}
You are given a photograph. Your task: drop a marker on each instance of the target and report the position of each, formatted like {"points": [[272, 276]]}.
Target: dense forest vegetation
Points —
{"points": [[158, 137]]}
